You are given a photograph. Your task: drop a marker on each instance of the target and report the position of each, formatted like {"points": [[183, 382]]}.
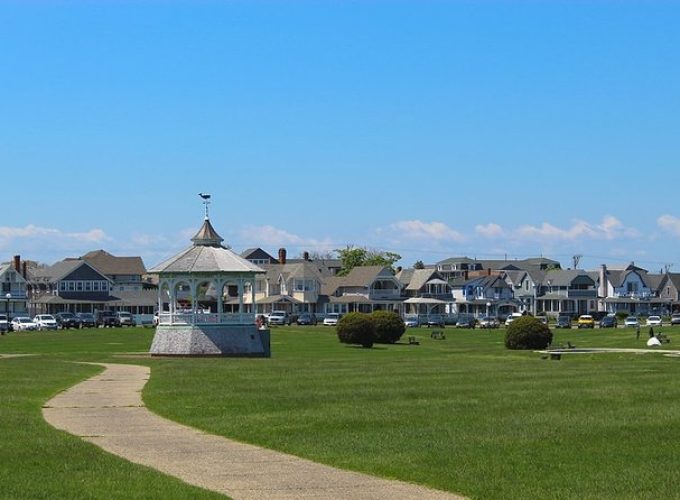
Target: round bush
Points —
{"points": [[356, 328], [389, 327], [527, 333]]}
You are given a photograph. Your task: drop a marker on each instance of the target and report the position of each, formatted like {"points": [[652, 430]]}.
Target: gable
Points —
{"points": [[84, 272]]}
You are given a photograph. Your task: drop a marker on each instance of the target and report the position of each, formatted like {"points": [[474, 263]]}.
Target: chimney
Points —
{"points": [[282, 255], [305, 256], [488, 271], [465, 275], [399, 269], [17, 263], [24, 270]]}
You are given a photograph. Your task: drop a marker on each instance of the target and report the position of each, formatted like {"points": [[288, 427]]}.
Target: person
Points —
{"points": [[637, 332], [261, 322]]}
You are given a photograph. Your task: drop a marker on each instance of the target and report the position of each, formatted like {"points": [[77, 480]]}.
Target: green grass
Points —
{"points": [[461, 414]]}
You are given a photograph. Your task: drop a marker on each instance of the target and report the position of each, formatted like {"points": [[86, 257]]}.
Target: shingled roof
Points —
{"points": [[206, 255]]}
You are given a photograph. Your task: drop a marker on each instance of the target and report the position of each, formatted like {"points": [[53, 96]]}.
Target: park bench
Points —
{"points": [[438, 335]]}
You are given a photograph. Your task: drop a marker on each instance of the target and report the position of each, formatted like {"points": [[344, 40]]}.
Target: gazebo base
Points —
{"points": [[211, 340]]}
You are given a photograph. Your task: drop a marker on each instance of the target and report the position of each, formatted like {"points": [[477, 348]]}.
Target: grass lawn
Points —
{"points": [[461, 414]]}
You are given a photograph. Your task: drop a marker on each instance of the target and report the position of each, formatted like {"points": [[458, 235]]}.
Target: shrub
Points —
{"points": [[356, 328], [389, 327], [527, 333]]}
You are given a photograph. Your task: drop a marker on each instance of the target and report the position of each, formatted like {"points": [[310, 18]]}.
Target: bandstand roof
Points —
{"points": [[207, 255]]}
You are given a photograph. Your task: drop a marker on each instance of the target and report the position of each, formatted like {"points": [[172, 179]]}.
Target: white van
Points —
{"points": [[512, 317]]}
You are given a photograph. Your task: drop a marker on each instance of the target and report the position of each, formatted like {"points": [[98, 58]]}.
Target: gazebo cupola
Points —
{"points": [[206, 283]]}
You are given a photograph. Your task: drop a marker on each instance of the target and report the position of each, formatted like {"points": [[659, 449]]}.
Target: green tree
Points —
{"points": [[356, 328], [389, 327], [352, 257], [527, 333], [419, 265]]}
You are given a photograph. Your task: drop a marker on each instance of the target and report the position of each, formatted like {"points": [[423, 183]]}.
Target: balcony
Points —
{"points": [[384, 294]]}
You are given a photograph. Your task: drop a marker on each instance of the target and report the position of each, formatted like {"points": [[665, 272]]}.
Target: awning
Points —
{"points": [[426, 300], [437, 281]]}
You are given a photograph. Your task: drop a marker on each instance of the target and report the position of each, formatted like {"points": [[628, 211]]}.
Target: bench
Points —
{"points": [[437, 335], [412, 340]]}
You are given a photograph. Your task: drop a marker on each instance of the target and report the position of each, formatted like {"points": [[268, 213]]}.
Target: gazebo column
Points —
{"points": [[241, 285], [219, 290]]}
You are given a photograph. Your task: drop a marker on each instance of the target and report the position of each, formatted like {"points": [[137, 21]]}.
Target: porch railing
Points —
{"points": [[206, 319]]}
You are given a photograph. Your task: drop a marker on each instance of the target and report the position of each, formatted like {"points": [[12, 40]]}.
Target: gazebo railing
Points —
{"points": [[185, 318]]}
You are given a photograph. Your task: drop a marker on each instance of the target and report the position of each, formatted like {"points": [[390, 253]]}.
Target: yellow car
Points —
{"points": [[586, 321]]}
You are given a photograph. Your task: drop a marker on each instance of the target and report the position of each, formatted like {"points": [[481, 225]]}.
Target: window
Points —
{"points": [[71, 286], [88, 286], [79, 286], [95, 286]]}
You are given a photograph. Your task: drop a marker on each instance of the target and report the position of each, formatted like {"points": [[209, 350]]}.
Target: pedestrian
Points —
{"points": [[637, 332]]}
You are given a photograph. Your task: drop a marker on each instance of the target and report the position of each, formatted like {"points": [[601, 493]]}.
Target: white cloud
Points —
{"points": [[274, 237], [419, 230], [609, 229], [9, 235], [670, 224], [490, 230]]}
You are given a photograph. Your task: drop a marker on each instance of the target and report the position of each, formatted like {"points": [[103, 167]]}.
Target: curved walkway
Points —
{"points": [[107, 410]]}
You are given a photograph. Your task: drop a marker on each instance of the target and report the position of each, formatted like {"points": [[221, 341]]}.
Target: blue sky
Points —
{"points": [[432, 129]]}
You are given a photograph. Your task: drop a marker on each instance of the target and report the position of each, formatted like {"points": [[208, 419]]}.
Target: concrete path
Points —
{"points": [[107, 410]]}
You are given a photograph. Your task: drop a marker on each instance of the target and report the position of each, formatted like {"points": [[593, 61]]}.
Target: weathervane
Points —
{"points": [[206, 202]]}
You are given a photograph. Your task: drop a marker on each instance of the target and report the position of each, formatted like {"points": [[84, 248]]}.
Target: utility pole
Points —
{"points": [[576, 259]]}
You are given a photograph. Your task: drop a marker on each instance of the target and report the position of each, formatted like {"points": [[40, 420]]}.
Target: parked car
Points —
{"points": [[563, 321], [307, 318], [512, 317], [489, 322], [675, 319], [4, 323], [331, 319], [466, 321], [654, 321], [23, 323], [67, 320], [86, 320], [436, 320], [631, 321], [279, 318], [105, 318], [585, 321], [45, 322], [124, 318], [411, 321], [609, 322]]}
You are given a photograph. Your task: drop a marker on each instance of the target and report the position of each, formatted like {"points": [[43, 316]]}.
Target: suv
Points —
{"points": [[45, 322], [489, 322], [675, 319], [306, 318], [279, 318], [106, 318], [86, 320], [124, 318], [67, 320]]}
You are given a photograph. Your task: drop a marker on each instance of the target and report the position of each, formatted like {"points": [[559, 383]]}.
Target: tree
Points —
{"points": [[527, 333], [419, 265], [389, 327], [356, 328], [352, 257]]}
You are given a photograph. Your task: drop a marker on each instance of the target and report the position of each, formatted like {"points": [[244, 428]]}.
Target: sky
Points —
{"points": [[433, 129]]}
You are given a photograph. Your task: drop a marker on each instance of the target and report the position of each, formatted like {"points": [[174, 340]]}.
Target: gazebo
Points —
{"points": [[201, 307]]}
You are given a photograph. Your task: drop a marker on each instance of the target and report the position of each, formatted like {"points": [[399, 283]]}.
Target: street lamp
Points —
{"points": [[8, 296], [488, 307]]}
